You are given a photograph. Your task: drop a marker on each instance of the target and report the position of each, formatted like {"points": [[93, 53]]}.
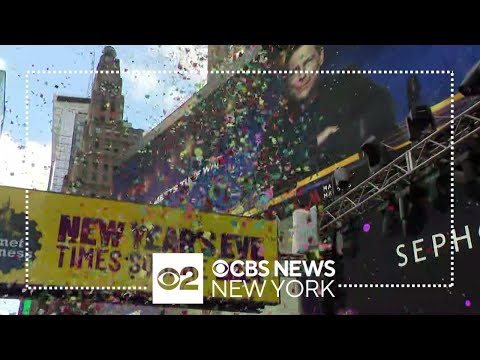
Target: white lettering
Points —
{"points": [[417, 250], [299, 292], [313, 267], [254, 284], [232, 283], [399, 253], [215, 285], [281, 268], [314, 289], [436, 245], [295, 268], [466, 236], [327, 288], [278, 288]]}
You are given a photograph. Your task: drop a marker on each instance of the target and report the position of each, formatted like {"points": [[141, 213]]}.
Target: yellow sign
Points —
{"points": [[76, 241]]}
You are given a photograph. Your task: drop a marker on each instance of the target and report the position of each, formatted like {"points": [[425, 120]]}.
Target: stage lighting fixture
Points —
{"points": [[470, 85], [419, 120], [376, 152], [341, 176]]}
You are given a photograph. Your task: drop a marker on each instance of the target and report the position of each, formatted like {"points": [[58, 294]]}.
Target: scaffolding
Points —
{"points": [[398, 174]]}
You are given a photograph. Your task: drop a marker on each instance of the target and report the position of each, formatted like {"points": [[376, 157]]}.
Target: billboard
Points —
{"points": [[3, 82], [99, 243], [260, 134]]}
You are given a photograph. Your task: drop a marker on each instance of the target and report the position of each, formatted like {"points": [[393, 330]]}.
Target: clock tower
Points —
{"points": [[106, 135]]}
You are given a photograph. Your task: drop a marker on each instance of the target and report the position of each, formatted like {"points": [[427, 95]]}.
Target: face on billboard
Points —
{"points": [[304, 58]]}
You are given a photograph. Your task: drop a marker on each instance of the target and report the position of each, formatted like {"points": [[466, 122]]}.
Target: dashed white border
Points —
{"points": [[452, 178], [139, 288], [27, 228], [253, 72]]}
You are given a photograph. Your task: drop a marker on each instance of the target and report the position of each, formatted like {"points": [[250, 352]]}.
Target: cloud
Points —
{"points": [[166, 92], [24, 167], [3, 64]]}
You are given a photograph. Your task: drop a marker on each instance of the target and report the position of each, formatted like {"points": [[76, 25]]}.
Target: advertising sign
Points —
{"points": [[296, 111], [76, 241]]}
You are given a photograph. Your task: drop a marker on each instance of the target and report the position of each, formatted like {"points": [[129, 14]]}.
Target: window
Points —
{"points": [[105, 167], [97, 144], [94, 176], [115, 150], [95, 165]]}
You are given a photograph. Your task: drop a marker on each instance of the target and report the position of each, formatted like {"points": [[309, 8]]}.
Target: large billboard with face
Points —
{"points": [[295, 111]]}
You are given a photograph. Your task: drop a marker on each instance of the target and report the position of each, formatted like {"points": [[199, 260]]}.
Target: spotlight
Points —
{"points": [[377, 154], [419, 119], [341, 177], [470, 85]]}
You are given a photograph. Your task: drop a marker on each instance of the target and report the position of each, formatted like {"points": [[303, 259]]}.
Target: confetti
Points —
{"points": [[366, 228]]}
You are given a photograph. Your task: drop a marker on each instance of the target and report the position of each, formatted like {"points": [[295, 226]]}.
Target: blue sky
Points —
{"points": [[149, 98], [145, 103]]}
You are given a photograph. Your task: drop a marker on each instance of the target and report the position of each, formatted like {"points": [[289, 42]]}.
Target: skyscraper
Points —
{"points": [[3, 81], [106, 134], [69, 114]]}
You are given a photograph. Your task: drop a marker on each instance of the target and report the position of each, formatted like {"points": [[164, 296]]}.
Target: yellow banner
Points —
{"points": [[77, 241]]}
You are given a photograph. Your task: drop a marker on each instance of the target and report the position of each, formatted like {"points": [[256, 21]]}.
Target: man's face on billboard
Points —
{"points": [[306, 58]]}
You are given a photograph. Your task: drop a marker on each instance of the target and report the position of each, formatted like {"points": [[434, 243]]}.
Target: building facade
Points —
{"points": [[223, 57], [106, 135], [3, 81], [69, 115]]}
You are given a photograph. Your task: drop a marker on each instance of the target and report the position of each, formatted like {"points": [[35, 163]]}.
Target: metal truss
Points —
{"points": [[398, 174]]}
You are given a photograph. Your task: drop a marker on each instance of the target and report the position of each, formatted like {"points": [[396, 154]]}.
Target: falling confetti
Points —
{"points": [[366, 228]]}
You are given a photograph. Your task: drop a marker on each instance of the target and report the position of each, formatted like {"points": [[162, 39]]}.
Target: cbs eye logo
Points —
{"points": [[170, 279], [177, 279]]}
